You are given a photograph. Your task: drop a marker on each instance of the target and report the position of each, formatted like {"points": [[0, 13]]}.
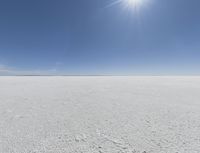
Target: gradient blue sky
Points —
{"points": [[88, 37]]}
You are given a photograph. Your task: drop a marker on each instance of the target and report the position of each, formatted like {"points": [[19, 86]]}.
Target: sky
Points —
{"points": [[99, 37]]}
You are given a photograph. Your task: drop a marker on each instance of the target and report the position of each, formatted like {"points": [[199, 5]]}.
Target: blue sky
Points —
{"points": [[94, 37]]}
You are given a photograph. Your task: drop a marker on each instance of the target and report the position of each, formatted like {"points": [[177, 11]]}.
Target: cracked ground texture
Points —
{"points": [[99, 114]]}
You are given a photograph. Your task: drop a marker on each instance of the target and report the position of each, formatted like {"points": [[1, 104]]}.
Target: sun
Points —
{"points": [[131, 5], [133, 2]]}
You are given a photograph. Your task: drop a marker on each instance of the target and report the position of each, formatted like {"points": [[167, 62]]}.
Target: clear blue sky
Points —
{"points": [[94, 37]]}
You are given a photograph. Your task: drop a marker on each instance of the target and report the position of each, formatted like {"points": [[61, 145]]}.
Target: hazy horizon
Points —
{"points": [[99, 37]]}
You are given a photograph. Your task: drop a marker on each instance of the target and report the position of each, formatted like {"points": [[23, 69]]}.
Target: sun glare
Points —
{"points": [[132, 3]]}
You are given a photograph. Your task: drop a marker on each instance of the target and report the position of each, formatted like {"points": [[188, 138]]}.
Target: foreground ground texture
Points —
{"points": [[99, 114]]}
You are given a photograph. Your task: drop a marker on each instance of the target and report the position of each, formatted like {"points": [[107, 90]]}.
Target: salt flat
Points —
{"points": [[99, 114]]}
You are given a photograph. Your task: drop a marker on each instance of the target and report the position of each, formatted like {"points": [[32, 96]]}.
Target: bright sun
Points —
{"points": [[133, 3]]}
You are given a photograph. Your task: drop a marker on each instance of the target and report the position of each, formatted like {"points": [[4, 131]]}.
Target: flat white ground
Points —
{"points": [[99, 114]]}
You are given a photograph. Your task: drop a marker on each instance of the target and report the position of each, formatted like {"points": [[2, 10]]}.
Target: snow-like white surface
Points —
{"points": [[99, 114]]}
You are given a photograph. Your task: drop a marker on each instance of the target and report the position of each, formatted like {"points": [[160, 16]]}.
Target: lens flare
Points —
{"points": [[130, 5], [133, 3]]}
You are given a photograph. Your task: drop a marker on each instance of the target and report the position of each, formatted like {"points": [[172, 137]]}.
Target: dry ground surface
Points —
{"points": [[99, 114]]}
